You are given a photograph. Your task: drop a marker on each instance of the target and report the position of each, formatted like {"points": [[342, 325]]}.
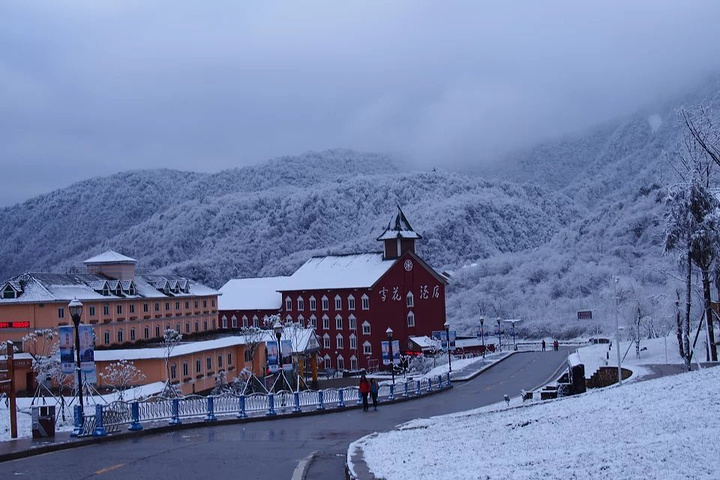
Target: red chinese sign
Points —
{"points": [[14, 324]]}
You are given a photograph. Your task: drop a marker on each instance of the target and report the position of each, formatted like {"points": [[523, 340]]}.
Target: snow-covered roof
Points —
{"points": [[252, 294], [399, 227], [57, 287], [339, 271], [110, 257], [425, 342]]}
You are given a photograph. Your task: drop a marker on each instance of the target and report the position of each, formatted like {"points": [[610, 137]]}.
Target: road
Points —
{"points": [[273, 449]]}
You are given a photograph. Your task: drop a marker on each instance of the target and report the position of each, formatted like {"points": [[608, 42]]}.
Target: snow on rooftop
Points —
{"points": [[110, 257], [339, 271], [252, 294]]}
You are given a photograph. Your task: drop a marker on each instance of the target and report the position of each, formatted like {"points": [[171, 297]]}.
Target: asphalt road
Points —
{"points": [[273, 449]]}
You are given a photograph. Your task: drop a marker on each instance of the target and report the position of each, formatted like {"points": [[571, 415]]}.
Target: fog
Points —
{"points": [[91, 88]]}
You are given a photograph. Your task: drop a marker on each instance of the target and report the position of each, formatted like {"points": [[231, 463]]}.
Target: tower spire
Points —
{"points": [[399, 236]]}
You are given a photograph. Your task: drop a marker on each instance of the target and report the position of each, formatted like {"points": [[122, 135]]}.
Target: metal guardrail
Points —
{"points": [[132, 414]]}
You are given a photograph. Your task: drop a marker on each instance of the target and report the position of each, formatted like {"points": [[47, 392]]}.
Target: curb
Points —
{"points": [[152, 430], [485, 368]]}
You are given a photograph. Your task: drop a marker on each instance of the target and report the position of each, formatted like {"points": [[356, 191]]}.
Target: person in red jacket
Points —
{"points": [[364, 390]]}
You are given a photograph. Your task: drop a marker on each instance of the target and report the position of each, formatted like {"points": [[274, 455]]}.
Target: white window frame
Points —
{"points": [[351, 302], [352, 322], [300, 304], [223, 321], [288, 318], [313, 304], [353, 342], [313, 321], [233, 322], [367, 348], [245, 321], [366, 329], [338, 322], [410, 300], [353, 363], [288, 304], [326, 361], [301, 321], [338, 302], [410, 319], [340, 362], [339, 341], [325, 303], [326, 322], [326, 341], [365, 302], [256, 321]]}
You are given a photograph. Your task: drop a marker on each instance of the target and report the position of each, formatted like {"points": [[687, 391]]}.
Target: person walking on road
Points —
{"points": [[555, 345], [364, 390], [543, 345], [374, 389]]}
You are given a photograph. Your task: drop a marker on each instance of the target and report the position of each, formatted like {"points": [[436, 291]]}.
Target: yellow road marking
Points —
{"points": [[109, 469]]}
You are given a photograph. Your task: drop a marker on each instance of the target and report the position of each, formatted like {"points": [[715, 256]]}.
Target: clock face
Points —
{"points": [[408, 265]]}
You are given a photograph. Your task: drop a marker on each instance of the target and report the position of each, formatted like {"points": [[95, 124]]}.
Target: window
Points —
{"points": [[365, 302], [197, 326], [353, 342], [353, 363], [106, 310], [187, 305], [187, 327], [198, 366], [326, 341], [301, 320], [313, 321], [288, 318], [119, 309], [196, 304], [132, 308], [288, 304], [325, 303], [209, 363], [340, 362], [157, 330], [300, 303], [411, 319], [177, 305], [224, 321], [248, 358], [256, 322], [92, 311], [410, 300], [366, 328], [339, 341], [326, 361], [229, 359], [245, 321], [219, 361], [173, 371], [213, 303], [338, 322], [352, 322], [351, 302], [120, 336], [313, 304], [204, 303], [167, 306], [338, 302], [157, 306], [367, 348], [147, 332], [326, 322], [132, 334], [186, 371], [145, 307], [204, 325], [107, 337], [234, 321]]}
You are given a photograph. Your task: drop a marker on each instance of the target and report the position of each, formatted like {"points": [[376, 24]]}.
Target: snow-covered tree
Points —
{"points": [[253, 337], [171, 339], [43, 347], [122, 374]]}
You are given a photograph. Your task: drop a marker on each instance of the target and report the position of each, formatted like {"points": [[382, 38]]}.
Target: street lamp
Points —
{"points": [[447, 336], [278, 333], [499, 337], [513, 322], [76, 308], [389, 333], [482, 334]]}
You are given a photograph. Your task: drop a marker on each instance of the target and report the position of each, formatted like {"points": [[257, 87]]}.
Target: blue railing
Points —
{"points": [[174, 410]]}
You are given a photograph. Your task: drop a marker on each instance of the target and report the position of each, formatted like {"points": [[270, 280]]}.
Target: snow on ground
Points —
{"points": [[659, 429], [596, 356], [24, 416]]}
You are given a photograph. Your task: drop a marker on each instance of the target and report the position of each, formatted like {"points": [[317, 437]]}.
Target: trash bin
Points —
{"points": [[43, 421]]}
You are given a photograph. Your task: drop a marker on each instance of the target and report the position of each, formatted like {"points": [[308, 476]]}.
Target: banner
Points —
{"points": [[286, 354], [67, 363], [452, 339], [272, 355], [441, 335], [396, 352], [385, 348], [87, 354]]}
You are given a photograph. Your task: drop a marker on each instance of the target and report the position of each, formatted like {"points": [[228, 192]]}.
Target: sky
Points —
{"points": [[92, 88]]}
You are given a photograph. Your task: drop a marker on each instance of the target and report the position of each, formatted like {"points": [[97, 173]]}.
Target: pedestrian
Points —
{"points": [[374, 389], [543, 345], [364, 390], [556, 345]]}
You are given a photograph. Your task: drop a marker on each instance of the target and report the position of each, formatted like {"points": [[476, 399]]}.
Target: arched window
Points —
{"points": [[353, 363], [325, 303], [411, 319], [234, 322], [256, 322], [301, 320], [339, 341], [338, 322], [366, 327], [351, 302], [313, 304], [326, 341], [367, 348], [224, 321], [353, 341], [288, 304], [313, 321], [410, 300], [245, 321], [300, 304], [340, 362], [365, 302]]}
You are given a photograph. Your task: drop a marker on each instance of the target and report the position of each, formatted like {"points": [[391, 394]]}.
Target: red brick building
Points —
{"points": [[351, 300]]}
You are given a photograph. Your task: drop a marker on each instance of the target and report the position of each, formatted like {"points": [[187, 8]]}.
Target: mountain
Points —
{"points": [[539, 236]]}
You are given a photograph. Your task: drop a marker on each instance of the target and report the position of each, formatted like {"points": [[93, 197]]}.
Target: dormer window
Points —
{"points": [[9, 292]]}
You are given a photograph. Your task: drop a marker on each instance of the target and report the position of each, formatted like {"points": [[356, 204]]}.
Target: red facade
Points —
{"points": [[409, 298], [236, 319]]}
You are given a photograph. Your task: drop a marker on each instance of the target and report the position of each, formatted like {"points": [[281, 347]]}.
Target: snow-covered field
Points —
{"points": [[24, 416], [659, 429]]}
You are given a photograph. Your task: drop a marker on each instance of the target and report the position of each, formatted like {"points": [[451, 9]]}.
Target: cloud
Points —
{"points": [[93, 88]]}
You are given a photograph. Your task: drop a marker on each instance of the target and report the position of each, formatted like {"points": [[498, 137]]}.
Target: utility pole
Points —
{"points": [[617, 330]]}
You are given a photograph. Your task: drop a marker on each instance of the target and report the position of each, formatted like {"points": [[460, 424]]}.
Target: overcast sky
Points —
{"points": [[92, 87]]}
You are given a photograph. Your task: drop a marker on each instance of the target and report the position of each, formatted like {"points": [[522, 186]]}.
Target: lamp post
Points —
{"points": [[482, 334], [499, 337], [447, 336], [389, 333], [278, 333], [76, 308], [617, 330]]}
